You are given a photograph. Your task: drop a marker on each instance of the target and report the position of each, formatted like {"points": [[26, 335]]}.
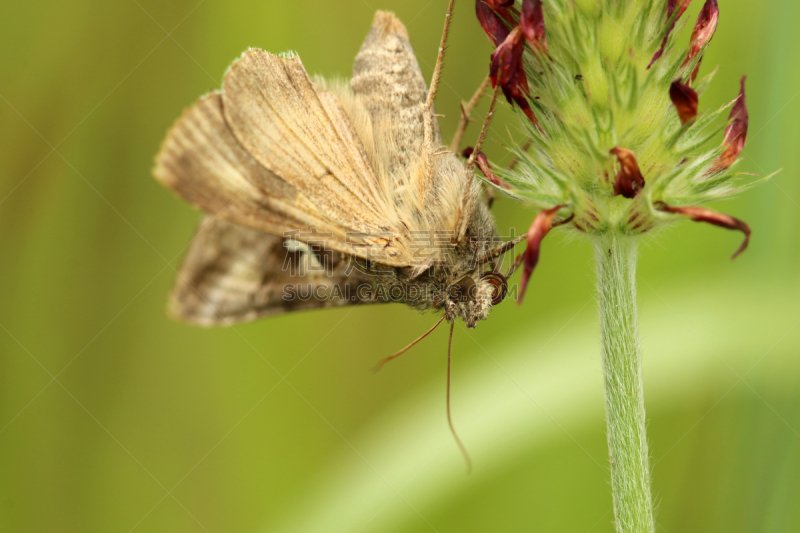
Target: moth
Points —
{"points": [[339, 190]]}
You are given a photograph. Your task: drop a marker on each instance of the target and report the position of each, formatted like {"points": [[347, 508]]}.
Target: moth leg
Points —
{"points": [[484, 130], [466, 109], [493, 264], [437, 70], [490, 194], [498, 263]]}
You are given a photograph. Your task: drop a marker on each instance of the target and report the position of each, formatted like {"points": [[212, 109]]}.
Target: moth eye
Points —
{"points": [[498, 281], [463, 290]]}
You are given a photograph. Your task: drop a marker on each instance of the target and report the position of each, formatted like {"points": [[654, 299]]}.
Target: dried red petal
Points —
{"points": [[539, 229], [703, 30], [532, 22], [499, 5], [483, 164], [490, 21], [672, 5], [629, 181], [519, 96], [685, 100], [508, 72], [735, 133], [507, 69], [699, 214], [523, 104]]}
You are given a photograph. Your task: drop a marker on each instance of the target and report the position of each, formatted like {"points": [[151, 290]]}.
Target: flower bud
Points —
{"points": [[685, 100], [532, 23], [629, 180]]}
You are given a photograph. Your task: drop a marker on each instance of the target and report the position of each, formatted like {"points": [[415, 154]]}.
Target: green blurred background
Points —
{"points": [[113, 418]]}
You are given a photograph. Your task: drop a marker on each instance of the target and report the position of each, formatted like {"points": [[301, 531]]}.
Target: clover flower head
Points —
{"points": [[614, 136]]}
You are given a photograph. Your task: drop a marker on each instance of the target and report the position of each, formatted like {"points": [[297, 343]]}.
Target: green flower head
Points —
{"points": [[613, 141]]}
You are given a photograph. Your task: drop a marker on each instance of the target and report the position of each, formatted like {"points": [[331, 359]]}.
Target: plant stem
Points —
{"points": [[615, 257]]}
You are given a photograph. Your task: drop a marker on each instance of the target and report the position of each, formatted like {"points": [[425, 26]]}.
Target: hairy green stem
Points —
{"points": [[615, 257]]}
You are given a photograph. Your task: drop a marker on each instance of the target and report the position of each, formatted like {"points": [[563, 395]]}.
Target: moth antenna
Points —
{"points": [[404, 350], [428, 111], [501, 249], [450, 418], [466, 109], [518, 259], [484, 130], [508, 245]]}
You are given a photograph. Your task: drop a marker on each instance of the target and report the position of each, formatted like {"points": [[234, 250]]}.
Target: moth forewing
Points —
{"points": [[295, 129]]}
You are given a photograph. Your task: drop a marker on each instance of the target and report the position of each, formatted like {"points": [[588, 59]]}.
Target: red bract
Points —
{"points": [[685, 100], [699, 214], [672, 17], [735, 133], [491, 22], [629, 180], [532, 22], [539, 229], [703, 32]]}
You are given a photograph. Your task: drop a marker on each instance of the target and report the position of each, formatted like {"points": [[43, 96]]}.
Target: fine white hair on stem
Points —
{"points": [[615, 257]]}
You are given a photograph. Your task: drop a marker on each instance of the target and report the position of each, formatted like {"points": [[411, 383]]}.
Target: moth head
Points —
{"points": [[471, 298]]}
